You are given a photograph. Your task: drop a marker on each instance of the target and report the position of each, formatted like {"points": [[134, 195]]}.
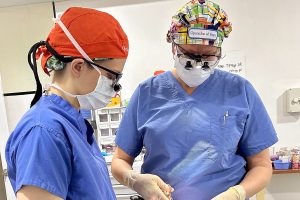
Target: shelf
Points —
{"points": [[113, 107], [286, 171]]}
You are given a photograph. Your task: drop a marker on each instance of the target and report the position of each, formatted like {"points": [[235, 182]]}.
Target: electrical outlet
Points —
{"points": [[293, 100]]}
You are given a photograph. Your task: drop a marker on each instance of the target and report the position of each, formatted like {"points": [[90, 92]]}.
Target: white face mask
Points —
{"points": [[194, 76], [103, 92], [97, 99]]}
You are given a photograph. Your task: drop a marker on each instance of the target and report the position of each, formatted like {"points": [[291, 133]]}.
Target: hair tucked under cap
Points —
{"points": [[199, 22], [98, 33]]}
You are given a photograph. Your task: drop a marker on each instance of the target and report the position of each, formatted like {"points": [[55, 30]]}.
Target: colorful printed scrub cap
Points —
{"points": [[199, 22]]}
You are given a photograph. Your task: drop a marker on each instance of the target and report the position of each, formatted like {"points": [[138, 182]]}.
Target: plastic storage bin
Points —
{"points": [[278, 164], [113, 128], [114, 115], [103, 130], [102, 116]]}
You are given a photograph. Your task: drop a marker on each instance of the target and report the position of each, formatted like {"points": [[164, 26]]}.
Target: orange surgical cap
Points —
{"points": [[98, 33]]}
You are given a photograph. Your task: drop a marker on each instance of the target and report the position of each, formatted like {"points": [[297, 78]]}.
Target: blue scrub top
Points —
{"points": [[196, 143], [53, 148]]}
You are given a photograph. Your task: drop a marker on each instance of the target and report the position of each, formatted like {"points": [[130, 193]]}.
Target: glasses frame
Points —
{"points": [[118, 75], [197, 58], [117, 87]]}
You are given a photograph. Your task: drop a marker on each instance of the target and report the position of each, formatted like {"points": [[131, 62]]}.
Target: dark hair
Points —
{"points": [[32, 63]]}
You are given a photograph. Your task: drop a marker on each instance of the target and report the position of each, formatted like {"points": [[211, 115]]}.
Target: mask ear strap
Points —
{"points": [[32, 63], [59, 88]]}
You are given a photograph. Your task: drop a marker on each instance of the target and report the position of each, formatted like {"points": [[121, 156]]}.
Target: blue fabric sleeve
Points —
{"points": [[128, 138], [259, 133], [43, 159]]}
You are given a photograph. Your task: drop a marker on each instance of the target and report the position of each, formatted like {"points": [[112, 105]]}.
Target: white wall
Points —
{"points": [[4, 134], [263, 30], [21, 27], [266, 31], [16, 107]]}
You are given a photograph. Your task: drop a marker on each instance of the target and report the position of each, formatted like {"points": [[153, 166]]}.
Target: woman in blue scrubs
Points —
{"points": [[52, 153], [206, 132]]}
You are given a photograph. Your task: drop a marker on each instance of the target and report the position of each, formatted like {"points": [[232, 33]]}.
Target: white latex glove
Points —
{"points": [[234, 193], [149, 186]]}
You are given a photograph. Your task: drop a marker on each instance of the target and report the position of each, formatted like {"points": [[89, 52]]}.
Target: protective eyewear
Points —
{"points": [[190, 60], [114, 76], [116, 86]]}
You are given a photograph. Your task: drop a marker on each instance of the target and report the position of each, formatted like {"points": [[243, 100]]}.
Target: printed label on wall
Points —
{"points": [[233, 62]]}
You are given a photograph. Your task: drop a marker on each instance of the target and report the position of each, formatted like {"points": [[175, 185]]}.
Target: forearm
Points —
{"points": [[256, 179], [119, 168]]}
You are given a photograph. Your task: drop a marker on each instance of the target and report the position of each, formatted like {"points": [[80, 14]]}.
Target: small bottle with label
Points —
{"points": [[295, 161]]}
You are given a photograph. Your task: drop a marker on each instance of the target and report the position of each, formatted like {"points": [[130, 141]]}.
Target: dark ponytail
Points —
{"points": [[33, 66], [32, 63]]}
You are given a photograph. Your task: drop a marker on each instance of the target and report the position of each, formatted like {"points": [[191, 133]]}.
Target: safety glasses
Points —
{"points": [[114, 76], [198, 58], [116, 86], [191, 60]]}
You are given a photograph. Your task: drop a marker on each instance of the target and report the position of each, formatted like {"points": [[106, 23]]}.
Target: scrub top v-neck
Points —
{"points": [[196, 93], [196, 143], [53, 148]]}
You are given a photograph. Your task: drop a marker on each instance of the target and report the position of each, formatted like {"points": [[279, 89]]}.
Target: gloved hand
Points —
{"points": [[234, 193], [149, 186]]}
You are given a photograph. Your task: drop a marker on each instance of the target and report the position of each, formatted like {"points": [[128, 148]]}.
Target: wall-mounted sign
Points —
{"points": [[234, 62]]}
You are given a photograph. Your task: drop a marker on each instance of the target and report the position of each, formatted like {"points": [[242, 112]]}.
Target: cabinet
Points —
{"points": [[107, 122]]}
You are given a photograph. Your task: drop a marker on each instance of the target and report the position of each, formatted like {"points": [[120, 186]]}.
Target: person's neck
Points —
{"points": [[186, 88], [72, 100]]}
